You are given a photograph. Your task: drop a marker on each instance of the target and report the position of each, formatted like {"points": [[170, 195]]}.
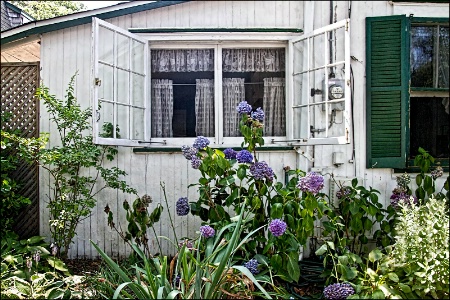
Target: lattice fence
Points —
{"points": [[18, 86]]}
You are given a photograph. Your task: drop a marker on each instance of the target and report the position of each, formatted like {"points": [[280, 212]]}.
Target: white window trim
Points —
{"points": [[328, 140], [97, 139], [219, 140]]}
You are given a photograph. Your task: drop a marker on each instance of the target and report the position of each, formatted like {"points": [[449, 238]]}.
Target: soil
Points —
{"points": [[83, 267]]}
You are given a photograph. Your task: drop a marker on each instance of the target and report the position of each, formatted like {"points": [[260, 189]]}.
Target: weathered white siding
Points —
{"points": [[66, 51]]}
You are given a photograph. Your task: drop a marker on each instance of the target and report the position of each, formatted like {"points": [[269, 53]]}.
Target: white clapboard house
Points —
{"points": [[349, 88]]}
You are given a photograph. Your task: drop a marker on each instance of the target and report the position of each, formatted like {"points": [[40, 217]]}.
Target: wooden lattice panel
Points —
{"points": [[18, 87]]}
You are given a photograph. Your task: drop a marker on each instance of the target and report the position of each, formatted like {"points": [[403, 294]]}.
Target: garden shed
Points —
{"points": [[343, 84]]}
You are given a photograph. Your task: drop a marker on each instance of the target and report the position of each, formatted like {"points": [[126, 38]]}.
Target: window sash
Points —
{"points": [[301, 101], [123, 107]]}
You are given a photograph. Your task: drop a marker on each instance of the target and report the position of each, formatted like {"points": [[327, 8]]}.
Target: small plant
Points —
{"points": [[74, 189]]}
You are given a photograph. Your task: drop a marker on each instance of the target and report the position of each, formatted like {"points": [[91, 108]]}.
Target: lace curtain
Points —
{"points": [[274, 106], [233, 92], [204, 107], [162, 107], [253, 60], [183, 60]]}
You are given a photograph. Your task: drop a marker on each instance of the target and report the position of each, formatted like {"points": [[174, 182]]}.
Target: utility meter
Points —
{"points": [[336, 91]]}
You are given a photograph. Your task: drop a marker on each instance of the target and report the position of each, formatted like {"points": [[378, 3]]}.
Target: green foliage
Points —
{"points": [[75, 166], [226, 187], [49, 9], [29, 270], [139, 221], [353, 218], [426, 184], [13, 148], [206, 270]]}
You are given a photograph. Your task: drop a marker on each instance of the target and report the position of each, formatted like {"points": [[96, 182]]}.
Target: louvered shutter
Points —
{"points": [[387, 75]]}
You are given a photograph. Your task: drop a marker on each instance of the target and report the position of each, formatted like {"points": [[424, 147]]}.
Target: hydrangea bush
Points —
{"points": [[280, 216]]}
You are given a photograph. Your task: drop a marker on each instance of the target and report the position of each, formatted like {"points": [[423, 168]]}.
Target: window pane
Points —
{"points": [[429, 127], [422, 51], [443, 57], [105, 52], [137, 57], [182, 92], [105, 90], [258, 77], [137, 92], [138, 124], [122, 121], [122, 86], [123, 51], [106, 119]]}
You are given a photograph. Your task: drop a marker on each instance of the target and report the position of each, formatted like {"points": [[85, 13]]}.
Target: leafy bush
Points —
{"points": [[231, 178], [73, 192]]}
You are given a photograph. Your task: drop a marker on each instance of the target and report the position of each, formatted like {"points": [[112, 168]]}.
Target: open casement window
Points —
{"points": [[120, 86], [320, 86]]}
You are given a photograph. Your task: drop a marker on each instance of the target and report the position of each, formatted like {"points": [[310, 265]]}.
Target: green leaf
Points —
{"points": [[375, 255], [378, 294], [392, 276], [276, 262], [241, 172], [321, 250], [256, 203], [276, 211], [405, 288], [293, 267], [57, 264], [349, 273], [35, 239]]}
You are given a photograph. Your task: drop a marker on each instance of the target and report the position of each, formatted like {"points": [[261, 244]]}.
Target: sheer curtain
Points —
{"points": [[274, 106], [162, 107], [253, 60], [233, 92], [183, 60], [204, 107]]}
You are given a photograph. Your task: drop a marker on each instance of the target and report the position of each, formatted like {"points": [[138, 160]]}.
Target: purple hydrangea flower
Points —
{"points": [[207, 231], [200, 142], [53, 249], [182, 206], [261, 170], [244, 108], [312, 182], [343, 192], [229, 153], [338, 291], [258, 114], [277, 227], [244, 156], [252, 266], [396, 198], [438, 172], [189, 152], [196, 162], [176, 281]]}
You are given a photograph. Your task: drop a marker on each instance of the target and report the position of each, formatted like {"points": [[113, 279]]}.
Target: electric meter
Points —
{"points": [[336, 91]]}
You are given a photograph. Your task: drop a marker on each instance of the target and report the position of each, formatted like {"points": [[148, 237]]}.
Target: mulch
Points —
{"points": [[83, 267]]}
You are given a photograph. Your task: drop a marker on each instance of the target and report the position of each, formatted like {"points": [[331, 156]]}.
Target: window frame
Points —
{"points": [[404, 162], [218, 42]]}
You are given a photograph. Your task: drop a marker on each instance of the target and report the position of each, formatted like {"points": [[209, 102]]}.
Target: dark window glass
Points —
{"points": [[422, 51], [443, 57], [429, 126]]}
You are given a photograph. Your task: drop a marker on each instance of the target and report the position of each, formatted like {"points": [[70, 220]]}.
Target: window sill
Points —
{"points": [[443, 162], [178, 149]]}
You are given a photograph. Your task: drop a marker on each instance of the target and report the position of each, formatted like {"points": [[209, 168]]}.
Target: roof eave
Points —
{"points": [[80, 18]]}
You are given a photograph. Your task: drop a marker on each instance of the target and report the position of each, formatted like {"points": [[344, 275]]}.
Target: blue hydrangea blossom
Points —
{"points": [[189, 152], [258, 114], [201, 142], [244, 108], [196, 162], [312, 182], [338, 291], [261, 170], [229, 153], [244, 156], [252, 266], [207, 231], [182, 206], [277, 227]]}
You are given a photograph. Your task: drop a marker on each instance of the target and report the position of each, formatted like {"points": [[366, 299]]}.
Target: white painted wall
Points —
{"points": [[65, 51]]}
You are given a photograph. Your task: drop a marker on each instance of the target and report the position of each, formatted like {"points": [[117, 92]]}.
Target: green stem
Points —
{"points": [[170, 215]]}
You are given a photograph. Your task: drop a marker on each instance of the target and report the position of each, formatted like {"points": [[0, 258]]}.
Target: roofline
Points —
{"points": [[80, 18], [19, 11]]}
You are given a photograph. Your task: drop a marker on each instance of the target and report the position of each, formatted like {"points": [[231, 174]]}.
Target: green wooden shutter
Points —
{"points": [[387, 76]]}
